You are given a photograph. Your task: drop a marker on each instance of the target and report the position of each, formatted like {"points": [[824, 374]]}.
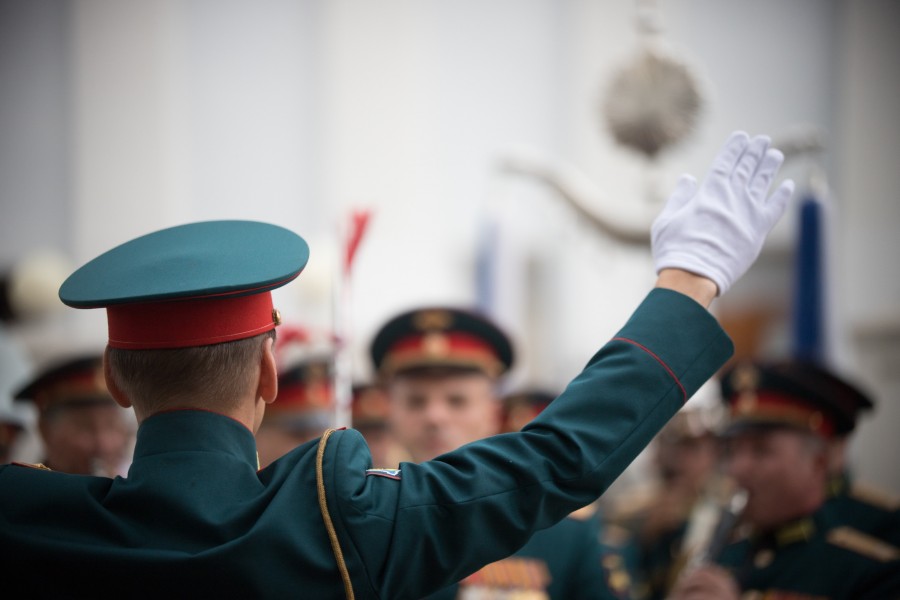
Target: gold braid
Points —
{"points": [[329, 525]]}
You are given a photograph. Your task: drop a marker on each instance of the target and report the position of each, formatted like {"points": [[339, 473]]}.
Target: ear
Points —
{"points": [[267, 389], [114, 390]]}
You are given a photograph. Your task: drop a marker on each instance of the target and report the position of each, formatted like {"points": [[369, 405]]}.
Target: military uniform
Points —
{"points": [[563, 561], [863, 507], [661, 519], [194, 512], [824, 555], [866, 508], [815, 557], [195, 516]]}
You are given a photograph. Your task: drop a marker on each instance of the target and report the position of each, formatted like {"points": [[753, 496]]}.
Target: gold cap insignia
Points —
{"points": [[427, 320], [436, 344], [745, 378]]}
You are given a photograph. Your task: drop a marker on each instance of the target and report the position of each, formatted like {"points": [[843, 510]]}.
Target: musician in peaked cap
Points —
{"points": [[442, 367], [191, 322], [441, 345], [668, 515], [865, 507], [793, 541], [84, 431], [862, 505]]}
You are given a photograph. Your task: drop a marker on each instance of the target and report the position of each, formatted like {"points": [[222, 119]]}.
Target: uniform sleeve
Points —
{"points": [[444, 519]]}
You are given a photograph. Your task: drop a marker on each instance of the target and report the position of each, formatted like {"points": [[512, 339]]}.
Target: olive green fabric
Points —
{"points": [[194, 517]]}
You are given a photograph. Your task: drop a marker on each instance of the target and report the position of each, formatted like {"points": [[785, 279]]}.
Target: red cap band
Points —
{"points": [[185, 323], [72, 388], [442, 348], [772, 407], [316, 395]]}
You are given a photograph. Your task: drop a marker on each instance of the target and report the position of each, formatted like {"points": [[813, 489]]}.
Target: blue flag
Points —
{"points": [[809, 338]]}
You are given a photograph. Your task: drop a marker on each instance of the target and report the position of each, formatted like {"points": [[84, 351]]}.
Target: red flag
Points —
{"points": [[359, 219]]}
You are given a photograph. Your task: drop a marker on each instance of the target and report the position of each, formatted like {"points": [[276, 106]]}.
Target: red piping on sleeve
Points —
{"points": [[660, 361]]}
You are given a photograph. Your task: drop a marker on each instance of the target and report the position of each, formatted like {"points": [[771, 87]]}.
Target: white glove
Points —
{"points": [[717, 229]]}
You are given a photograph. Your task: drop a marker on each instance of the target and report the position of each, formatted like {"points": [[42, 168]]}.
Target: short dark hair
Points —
{"points": [[212, 377]]}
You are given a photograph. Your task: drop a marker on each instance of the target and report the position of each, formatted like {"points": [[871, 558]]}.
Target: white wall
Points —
{"points": [[146, 114]]}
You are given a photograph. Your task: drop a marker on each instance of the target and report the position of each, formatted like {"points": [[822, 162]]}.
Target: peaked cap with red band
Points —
{"points": [[74, 381], [792, 393], [191, 285], [306, 385], [441, 337]]}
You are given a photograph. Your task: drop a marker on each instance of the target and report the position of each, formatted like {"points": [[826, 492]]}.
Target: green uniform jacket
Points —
{"points": [[866, 509], [562, 562], [195, 517], [816, 557]]}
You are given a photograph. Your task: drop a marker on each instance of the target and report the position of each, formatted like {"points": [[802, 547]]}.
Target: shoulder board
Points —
{"points": [[39, 466], [861, 543], [874, 496]]}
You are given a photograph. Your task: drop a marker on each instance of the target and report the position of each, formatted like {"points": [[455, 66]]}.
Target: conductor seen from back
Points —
{"points": [[191, 327]]}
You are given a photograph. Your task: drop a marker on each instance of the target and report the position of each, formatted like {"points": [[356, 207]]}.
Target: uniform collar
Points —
{"points": [[195, 431], [799, 530], [838, 485]]}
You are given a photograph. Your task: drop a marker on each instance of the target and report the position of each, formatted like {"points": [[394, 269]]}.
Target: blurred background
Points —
{"points": [[449, 129]]}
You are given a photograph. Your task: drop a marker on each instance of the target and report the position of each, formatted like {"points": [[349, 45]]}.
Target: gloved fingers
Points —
{"points": [[766, 172], [778, 202], [728, 156], [750, 160], [683, 192]]}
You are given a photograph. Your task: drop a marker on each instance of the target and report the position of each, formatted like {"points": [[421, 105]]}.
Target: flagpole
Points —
{"points": [[351, 235]]}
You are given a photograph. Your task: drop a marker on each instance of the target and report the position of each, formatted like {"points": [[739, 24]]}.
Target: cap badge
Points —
{"points": [[436, 344], [745, 378], [427, 320]]}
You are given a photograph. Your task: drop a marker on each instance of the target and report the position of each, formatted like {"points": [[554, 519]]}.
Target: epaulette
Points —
{"points": [[39, 466], [861, 543], [801, 530], [875, 497]]}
